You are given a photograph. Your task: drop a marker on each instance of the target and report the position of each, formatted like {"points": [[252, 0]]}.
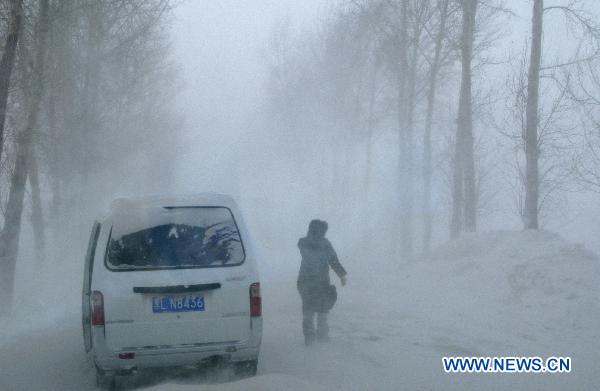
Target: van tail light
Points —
{"points": [[255, 301], [97, 308]]}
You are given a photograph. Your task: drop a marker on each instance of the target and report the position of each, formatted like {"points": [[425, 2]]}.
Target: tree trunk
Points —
{"points": [[37, 216], [54, 160], [464, 200], [427, 171], [367, 191], [9, 237], [466, 120], [531, 132], [402, 129], [457, 188], [55, 96], [8, 60], [89, 95], [407, 153], [369, 157]]}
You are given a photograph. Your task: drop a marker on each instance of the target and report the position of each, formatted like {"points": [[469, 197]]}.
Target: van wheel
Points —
{"points": [[105, 381], [245, 369]]}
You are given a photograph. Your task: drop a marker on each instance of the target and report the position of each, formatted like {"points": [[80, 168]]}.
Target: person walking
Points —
{"points": [[317, 293]]}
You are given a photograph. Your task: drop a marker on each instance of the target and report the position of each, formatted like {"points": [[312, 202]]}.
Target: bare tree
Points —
{"points": [[585, 93], [410, 51], [533, 136], [9, 237], [85, 63], [8, 60], [435, 64], [37, 215], [405, 133], [464, 198], [531, 131], [555, 124]]}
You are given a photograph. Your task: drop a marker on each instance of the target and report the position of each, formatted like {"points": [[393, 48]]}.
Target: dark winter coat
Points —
{"points": [[318, 256]]}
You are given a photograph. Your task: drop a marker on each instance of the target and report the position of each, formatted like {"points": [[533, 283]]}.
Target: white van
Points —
{"points": [[171, 281]]}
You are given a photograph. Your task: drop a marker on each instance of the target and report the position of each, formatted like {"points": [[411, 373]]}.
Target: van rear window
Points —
{"points": [[174, 238]]}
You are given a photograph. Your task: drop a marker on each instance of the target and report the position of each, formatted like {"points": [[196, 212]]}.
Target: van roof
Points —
{"points": [[171, 200]]}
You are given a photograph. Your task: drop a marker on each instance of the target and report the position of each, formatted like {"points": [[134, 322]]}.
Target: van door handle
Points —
{"points": [[176, 288]]}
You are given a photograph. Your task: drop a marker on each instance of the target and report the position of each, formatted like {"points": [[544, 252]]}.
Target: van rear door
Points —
{"points": [[198, 316], [87, 281], [177, 278]]}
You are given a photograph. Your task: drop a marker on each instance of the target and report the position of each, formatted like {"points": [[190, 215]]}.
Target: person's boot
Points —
{"points": [[322, 328], [308, 327]]}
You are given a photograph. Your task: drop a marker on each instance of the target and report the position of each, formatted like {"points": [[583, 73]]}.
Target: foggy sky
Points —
{"points": [[218, 47]]}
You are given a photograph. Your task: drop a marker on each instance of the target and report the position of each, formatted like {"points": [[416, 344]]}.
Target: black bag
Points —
{"points": [[329, 298]]}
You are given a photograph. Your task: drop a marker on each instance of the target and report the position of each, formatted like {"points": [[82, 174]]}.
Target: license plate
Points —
{"points": [[177, 303]]}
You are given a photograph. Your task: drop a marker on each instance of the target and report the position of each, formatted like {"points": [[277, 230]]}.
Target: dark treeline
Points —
{"points": [[85, 92], [436, 89]]}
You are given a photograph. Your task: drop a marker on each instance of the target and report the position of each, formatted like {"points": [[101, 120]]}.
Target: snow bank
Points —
{"points": [[532, 270], [509, 293]]}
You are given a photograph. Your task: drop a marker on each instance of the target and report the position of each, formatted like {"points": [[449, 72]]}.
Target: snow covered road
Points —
{"points": [[389, 336]]}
